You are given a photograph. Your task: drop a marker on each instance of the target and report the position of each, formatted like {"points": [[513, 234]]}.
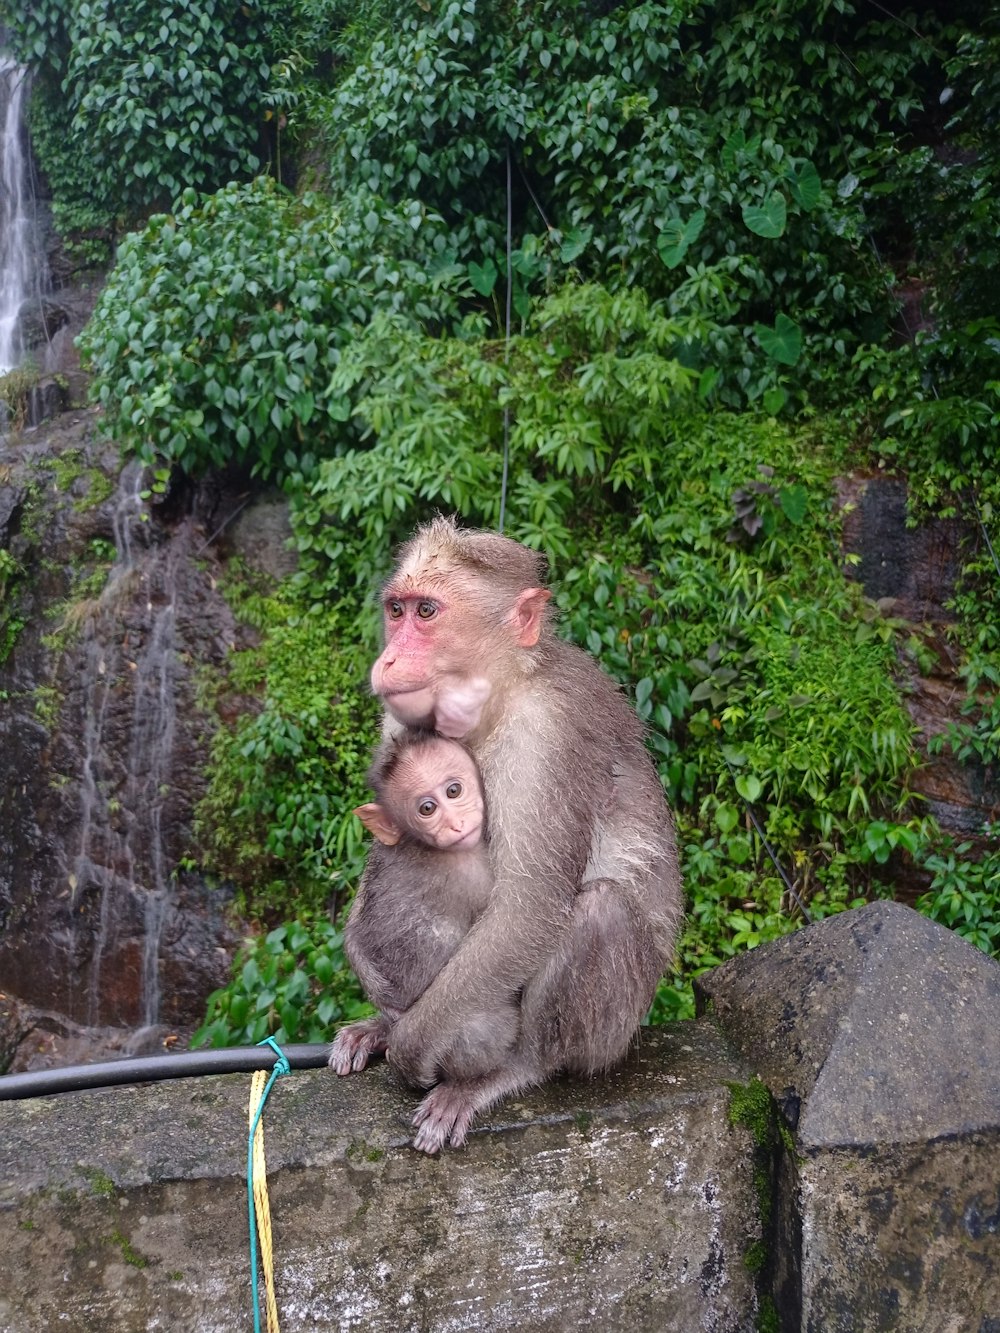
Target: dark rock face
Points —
{"points": [[103, 744], [912, 573]]}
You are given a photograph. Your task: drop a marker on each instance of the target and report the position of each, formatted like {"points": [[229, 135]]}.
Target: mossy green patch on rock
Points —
{"points": [[100, 1183], [751, 1106], [129, 1253]]}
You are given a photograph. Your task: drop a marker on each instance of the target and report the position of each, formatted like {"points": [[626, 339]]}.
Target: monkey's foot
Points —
{"points": [[444, 1116], [355, 1045]]}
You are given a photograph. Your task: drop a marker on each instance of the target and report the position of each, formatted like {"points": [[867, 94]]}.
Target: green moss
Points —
{"points": [[69, 467], [100, 1184], [360, 1151], [767, 1316], [48, 702], [762, 1188], [129, 1253], [755, 1257], [751, 1107]]}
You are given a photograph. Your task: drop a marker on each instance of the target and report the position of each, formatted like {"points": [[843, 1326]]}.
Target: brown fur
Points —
{"points": [[586, 899]]}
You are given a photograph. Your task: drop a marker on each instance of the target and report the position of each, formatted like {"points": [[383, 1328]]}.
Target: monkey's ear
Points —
{"points": [[378, 822], [528, 615]]}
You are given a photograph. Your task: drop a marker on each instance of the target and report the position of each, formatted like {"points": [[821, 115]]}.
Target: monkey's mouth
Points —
{"points": [[390, 692], [464, 840]]}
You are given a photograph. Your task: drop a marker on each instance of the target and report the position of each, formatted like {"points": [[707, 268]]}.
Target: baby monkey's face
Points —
{"points": [[436, 794]]}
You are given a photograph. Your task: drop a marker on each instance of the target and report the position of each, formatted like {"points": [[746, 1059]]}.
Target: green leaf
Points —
{"points": [[782, 343], [794, 501], [575, 241], [676, 238], [767, 219], [805, 185], [727, 817], [483, 277], [749, 786]]}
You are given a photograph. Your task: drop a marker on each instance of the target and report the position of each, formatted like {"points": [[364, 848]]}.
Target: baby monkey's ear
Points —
{"points": [[376, 821]]}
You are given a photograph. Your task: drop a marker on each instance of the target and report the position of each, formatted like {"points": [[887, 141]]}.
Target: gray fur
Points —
{"points": [[414, 907]]}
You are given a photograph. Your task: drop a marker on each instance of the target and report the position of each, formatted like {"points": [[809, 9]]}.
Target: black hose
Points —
{"points": [[152, 1068]]}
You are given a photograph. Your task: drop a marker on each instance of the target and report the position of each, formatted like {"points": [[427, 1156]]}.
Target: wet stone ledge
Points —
{"points": [[819, 1152], [628, 1202]]}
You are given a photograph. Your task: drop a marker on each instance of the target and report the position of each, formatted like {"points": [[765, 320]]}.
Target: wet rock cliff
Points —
{"points": [[110, 617]]}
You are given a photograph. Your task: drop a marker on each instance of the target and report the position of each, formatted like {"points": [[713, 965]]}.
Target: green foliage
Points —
{"points": [[11, 618], [172, 91], [587, 391], [218, 331], [276, 817], [293, 984], [620, 158], [134, 102], [964, 894], [16, 387]]}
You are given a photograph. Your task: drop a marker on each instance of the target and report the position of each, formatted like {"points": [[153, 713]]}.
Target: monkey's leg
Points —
{"points": [[354, 1045], [445, 1114], [582, 1010]]}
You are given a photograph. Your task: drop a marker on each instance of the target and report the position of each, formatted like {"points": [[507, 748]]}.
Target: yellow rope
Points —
{"points": [[261, 1201]]}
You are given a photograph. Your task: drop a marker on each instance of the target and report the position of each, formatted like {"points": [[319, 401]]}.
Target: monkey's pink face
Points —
{"points": [[426, 675], [444, 800], [444, 653]]}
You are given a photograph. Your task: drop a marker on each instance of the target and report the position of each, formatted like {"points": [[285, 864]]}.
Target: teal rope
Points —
{"points": [[281, 1066]]}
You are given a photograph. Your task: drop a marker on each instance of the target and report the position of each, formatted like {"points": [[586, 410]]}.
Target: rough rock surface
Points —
{"points": [[628, 1202], [912, 573], [111, 610], [878, 1033]]}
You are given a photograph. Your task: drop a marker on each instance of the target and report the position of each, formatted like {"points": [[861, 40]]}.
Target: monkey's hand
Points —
{"points": [[444, 1116], [355, 1045], [474, 1045]]}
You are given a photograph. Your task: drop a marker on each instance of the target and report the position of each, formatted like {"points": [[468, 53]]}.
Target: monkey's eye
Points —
{"points": [[394, 609], [453, 791], [426, 808], [426, 610]]}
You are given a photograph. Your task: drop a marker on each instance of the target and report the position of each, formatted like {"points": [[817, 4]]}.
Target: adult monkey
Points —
{"points": [[587, 898]]}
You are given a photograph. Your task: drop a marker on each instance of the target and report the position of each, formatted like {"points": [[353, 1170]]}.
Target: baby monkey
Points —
{"points": [[426, 883]]}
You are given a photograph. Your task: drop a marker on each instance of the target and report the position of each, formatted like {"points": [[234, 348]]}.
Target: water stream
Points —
{"points": [[129, 681], [17, 261]]}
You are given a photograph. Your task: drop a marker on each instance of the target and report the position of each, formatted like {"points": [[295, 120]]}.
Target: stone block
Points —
{"points": [[627, 1202], [878, 1033]]}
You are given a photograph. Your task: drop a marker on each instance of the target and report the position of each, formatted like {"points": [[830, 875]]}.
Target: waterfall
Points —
{"points": [[16, 217], [129, 689]]}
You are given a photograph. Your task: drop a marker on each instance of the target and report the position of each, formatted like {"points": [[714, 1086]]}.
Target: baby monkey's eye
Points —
{"points": [[426, 808], [453, 791], [394, 610], [426, 610]]}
